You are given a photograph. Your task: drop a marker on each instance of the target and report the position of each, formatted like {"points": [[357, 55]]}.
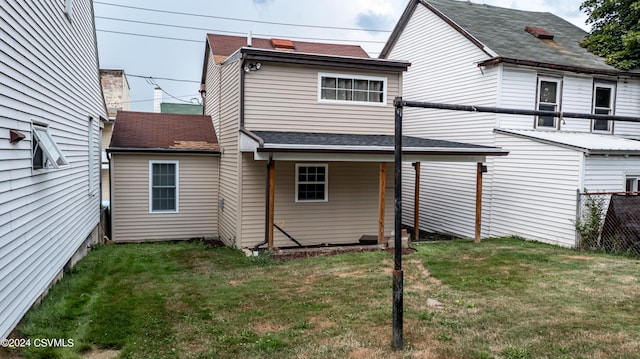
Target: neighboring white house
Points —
{"points": [[475, 54], [51, 111]]}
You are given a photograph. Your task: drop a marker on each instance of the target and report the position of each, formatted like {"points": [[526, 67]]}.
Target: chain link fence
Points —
{"points": [[609, 222]]}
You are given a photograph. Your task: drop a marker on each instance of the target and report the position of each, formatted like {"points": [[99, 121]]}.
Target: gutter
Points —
{"points": [[161, 150], [576, 69]]}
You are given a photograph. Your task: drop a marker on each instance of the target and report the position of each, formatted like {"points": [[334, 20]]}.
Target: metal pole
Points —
{"points": [[397, 269], [515, 111]]}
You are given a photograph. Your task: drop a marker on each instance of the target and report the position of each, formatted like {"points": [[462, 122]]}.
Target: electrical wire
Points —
{"points": [[201, 42], [231, 32], [163, 78], [239, 19]]}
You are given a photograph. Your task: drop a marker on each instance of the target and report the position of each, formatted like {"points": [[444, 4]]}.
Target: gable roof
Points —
{"points": [[162, 131], [223, 46], [500, 32]]}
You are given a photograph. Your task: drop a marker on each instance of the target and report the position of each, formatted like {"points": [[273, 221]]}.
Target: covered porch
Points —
{"points": [[332, 188]]}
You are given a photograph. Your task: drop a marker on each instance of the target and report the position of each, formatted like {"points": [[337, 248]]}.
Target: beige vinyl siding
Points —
{"points": [[212, 100], [50, 75], [285, 98], [198, 199], [534, 193], [107, 131], [106, 183], [350, 212], [228, 138]]}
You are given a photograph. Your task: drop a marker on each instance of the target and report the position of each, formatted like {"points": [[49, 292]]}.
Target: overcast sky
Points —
{"points": [[182, 60]]}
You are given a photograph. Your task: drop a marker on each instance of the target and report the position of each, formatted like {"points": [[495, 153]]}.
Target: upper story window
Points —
{"points": [[603, 103], [352, 89], [163, 186], [631, 183], [45, 151], [548, 100]]}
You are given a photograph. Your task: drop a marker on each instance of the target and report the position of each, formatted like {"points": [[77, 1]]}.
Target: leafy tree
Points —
{"points": [[615, 31]]}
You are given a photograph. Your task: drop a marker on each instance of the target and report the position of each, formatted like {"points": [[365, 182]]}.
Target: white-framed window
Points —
{"points": [[164, 186], [604, 94], [312, 182], [352, 89], [548, 99], [45, 152], [631, 183]]}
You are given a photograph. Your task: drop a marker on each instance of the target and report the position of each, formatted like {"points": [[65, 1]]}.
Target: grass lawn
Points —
{"points": [[504, 298]]}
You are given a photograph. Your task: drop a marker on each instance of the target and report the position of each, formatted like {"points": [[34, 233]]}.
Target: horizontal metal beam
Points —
{"points": [[515, 111]]}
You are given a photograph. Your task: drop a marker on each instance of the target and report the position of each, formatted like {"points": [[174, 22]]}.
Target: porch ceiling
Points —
{"points": [[294, 146]]}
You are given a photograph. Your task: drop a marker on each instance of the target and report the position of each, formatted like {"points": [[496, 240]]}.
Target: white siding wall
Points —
{"points": [[628, 104], [352, 209], [444, 69], [608, 173], [198, 199], [285, 98], [48, 74], [534, 191]]}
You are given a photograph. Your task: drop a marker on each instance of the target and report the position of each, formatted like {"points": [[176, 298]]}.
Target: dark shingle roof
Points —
{"points": [[149, 130], [224, 45], [374, 142], [502, 30]]}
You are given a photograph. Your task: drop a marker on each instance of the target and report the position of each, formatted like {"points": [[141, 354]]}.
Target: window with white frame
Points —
{"points": [[312, 182], [352, 89], [163, 186], [548, 100], [45, 152], [631, 184], [603, 104]]}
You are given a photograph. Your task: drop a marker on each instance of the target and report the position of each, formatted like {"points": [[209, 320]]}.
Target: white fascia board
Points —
{"points": [[276, 146], [356, 157]]}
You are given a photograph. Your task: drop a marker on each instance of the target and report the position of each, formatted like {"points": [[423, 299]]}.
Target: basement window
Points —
{"points": [[312, 182], [45, 151], [352, 89]]}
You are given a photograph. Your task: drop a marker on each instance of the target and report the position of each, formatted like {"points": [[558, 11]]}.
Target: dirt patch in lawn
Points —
{"points": [[101, 354]]}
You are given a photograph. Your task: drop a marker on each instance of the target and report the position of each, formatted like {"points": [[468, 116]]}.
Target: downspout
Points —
{"points": [[266, 206]]}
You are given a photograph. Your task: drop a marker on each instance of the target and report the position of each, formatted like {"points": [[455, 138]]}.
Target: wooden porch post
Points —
{"points": [[271, 211], [382, 181], [416, 204], [480, 169]]}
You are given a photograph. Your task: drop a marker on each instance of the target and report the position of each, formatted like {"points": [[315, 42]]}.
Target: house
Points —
{"points": [[51, 112], [306, 134], [117, 97], [164, 177], [481, 55]]}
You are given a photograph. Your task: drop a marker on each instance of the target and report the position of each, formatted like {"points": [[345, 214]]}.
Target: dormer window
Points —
{"points": [[548, 100], [603, 102]]}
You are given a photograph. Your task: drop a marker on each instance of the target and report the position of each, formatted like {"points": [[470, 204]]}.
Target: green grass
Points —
{"points": [[504, 298]]}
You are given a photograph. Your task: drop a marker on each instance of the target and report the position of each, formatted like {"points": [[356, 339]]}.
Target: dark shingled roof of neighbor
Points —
{"points": [[150, 130]]}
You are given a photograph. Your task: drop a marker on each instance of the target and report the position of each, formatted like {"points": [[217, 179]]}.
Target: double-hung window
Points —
{"points": [[45, 151], [603, 103], [548, 100], [352, 89], [163, 186], [312, 182]]}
